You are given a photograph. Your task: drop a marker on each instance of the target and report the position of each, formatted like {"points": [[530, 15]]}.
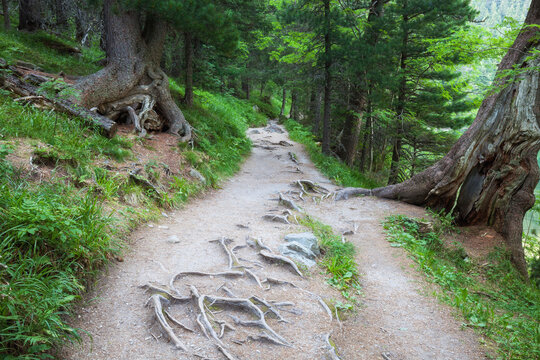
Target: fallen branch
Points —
{"points": [[24, 89]]}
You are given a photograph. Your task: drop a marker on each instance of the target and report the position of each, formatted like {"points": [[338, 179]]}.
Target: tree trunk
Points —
{"points": [[293, 112], [353, 125], [317, 110], [30, 15], [489, 175], [80, 24], [188, 52], [283, 102], [359, 93], [327, 79], [400, 109], [60, 14], [367, 140], [5, 9], [132, 77]]}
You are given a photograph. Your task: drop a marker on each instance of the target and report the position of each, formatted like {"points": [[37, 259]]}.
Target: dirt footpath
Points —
{"points": [[394, 322]]}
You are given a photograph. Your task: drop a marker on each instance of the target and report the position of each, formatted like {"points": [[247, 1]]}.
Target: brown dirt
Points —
{"points": [[395, 318], [478, 241]]}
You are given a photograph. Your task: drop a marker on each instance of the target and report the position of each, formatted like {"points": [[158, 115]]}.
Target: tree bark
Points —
{"points": [[360, 91], [317, 110], [5, 9], [327, 79], [132, 70], [489, 175], [353, 126], [283, 102], [60, 14], [188, 52], [400, 109], [30, 15], [293, 112], [367, 140]]}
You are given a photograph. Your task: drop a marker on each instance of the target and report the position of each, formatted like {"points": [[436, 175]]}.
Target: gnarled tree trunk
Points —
{"points": [[133, 79], [489, 175]]}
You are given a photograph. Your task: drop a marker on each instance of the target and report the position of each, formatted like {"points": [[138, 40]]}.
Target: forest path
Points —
{"points": [[394, 320]]}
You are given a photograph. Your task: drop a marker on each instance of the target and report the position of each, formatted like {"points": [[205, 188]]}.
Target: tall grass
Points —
{"points": [[52, 238], [490, 295], [333, 168]]}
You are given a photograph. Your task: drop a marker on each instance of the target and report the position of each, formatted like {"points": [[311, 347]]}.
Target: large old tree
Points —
{"points": [[489, 175], [132, 83]]}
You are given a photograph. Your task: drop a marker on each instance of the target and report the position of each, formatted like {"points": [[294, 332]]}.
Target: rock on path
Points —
{"points": [[396, 319]]}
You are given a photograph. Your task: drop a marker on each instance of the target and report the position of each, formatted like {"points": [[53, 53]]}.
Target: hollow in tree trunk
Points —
{"points": [[489, 175], [133, 82]]}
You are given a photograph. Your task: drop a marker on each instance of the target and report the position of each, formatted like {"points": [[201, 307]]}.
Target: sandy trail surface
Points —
{"points": [[394, 320]]}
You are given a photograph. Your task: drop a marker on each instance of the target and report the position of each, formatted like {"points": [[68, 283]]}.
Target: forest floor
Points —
{"points": [[394, 320]]}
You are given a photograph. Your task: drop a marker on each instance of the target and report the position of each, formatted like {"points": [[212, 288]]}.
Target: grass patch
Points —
{"points": [[338, 260], [57, 233], [53, 238], [333, 168], [491, 296], [32, 47]]}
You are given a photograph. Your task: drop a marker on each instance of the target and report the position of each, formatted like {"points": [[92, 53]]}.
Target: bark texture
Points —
{"points": [[489, 175], [327, 80], [5, 9], [30, 15], [283, 102], [353, 126], [188, 54], [133, 77]]}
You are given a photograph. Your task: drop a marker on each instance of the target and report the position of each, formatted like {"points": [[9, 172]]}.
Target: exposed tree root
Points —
{"points": [[227, 354], [288, 203], [277, 218], [273, 257], [233, 260], [331, 348], [293, 157], [258, 244], [156, 301], [176, 322], [309, 186], [254, 277], [270, 280], [209, 307]]}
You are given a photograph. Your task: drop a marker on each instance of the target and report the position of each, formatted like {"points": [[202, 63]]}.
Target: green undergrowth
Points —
{"points": [[338, 261], [36, 48], [60, 230], [333, 168], [489, 293]]}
